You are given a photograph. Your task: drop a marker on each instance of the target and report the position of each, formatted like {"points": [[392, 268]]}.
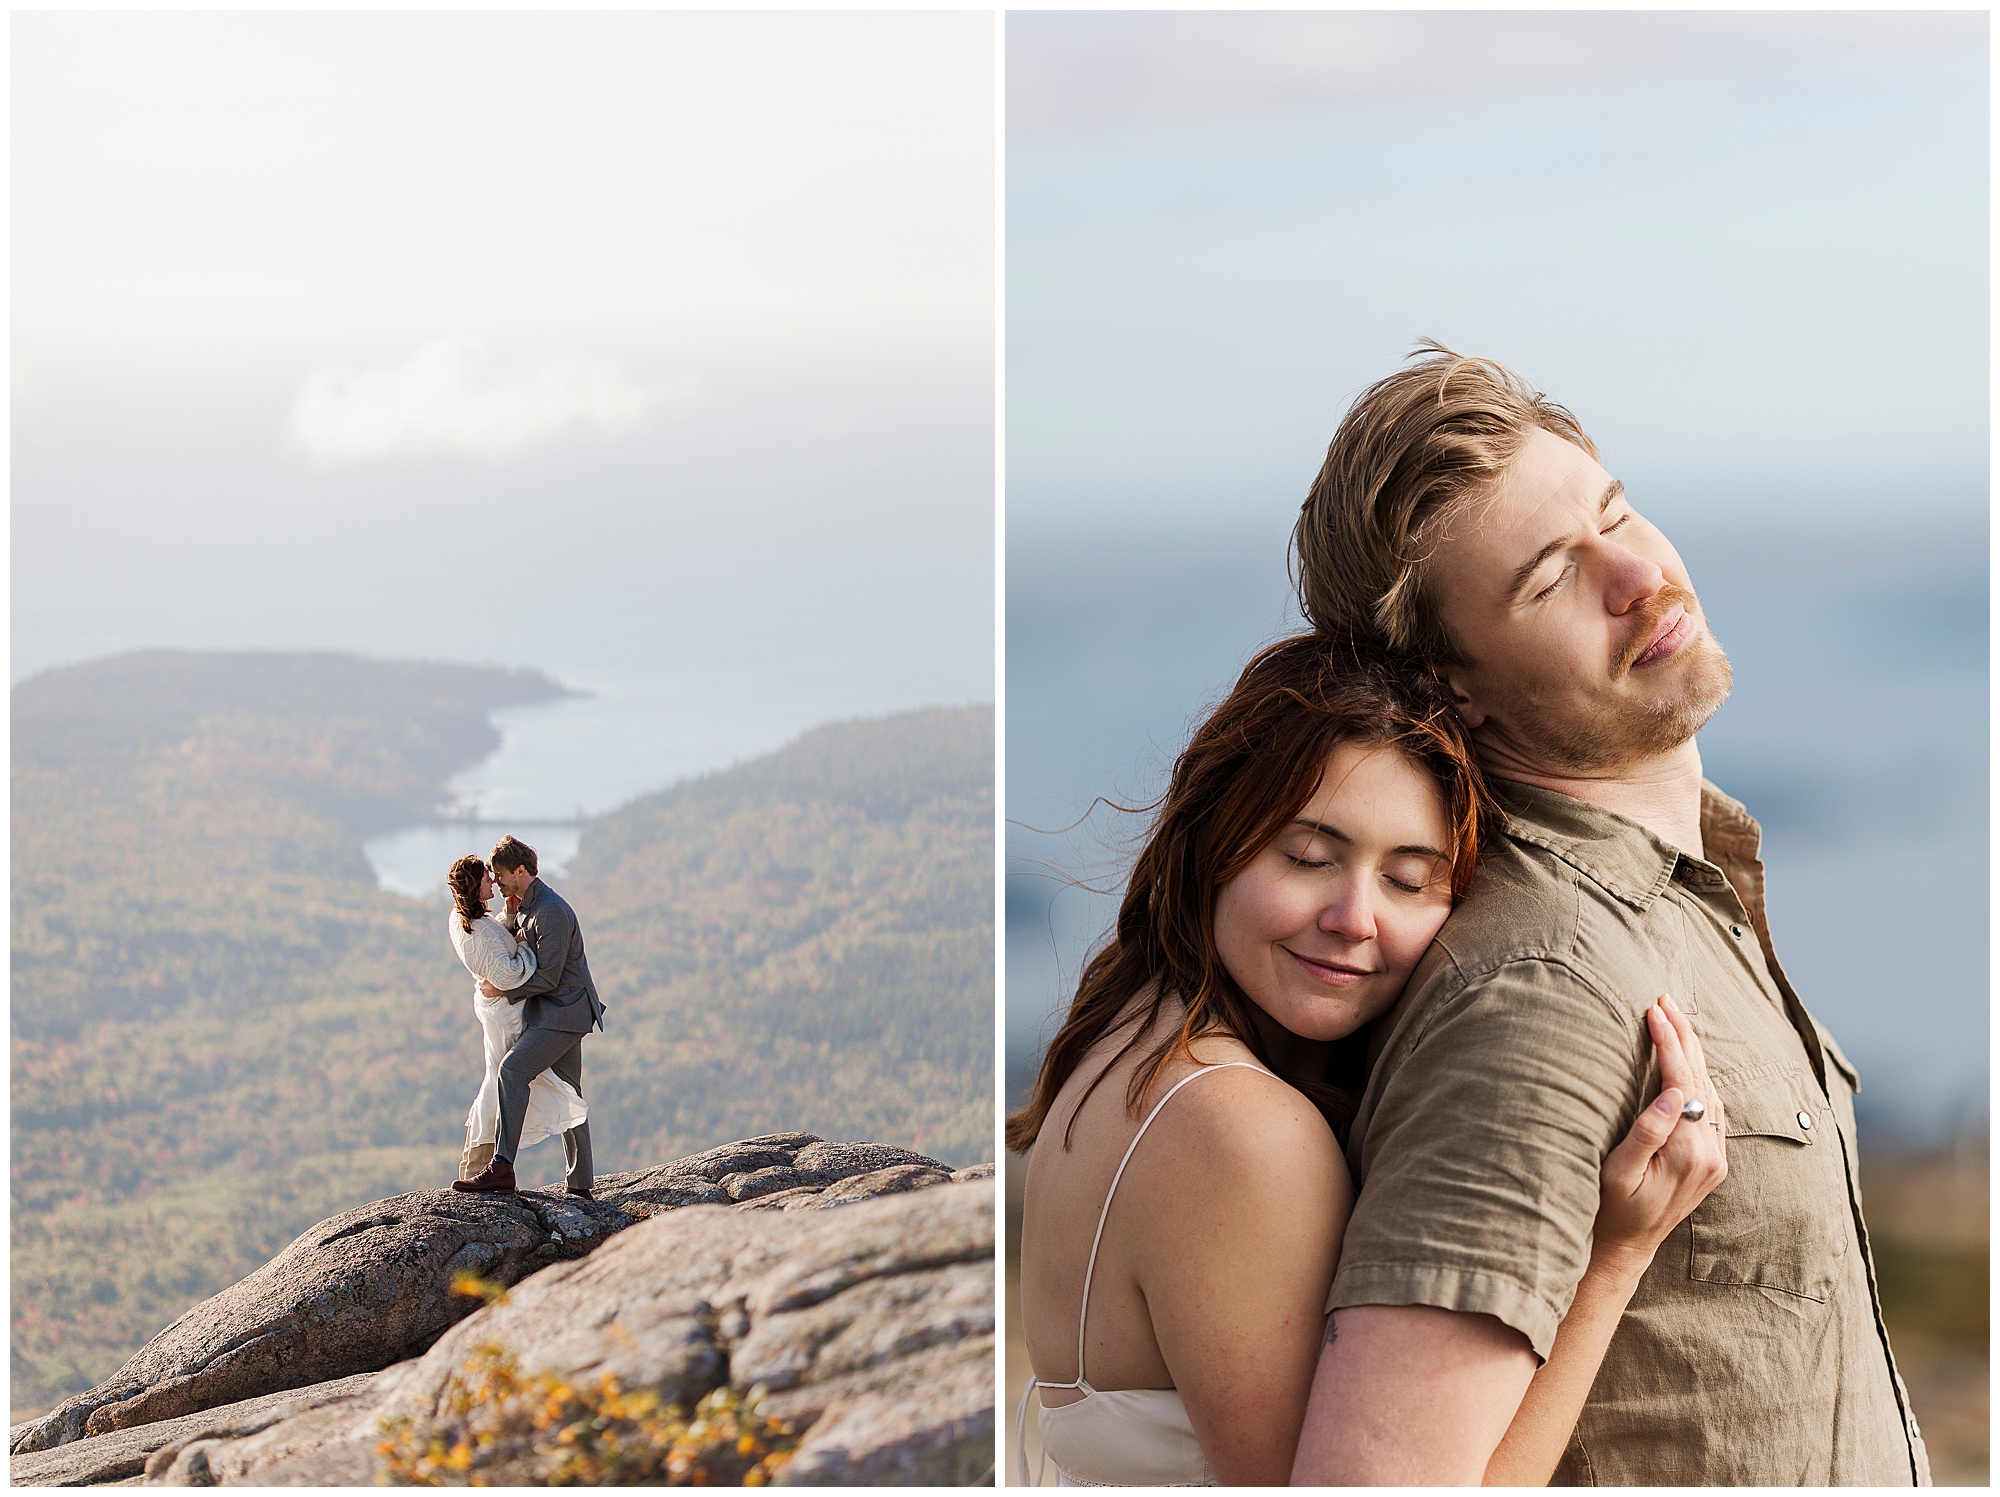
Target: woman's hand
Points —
{"points": [[1666, 1166]]}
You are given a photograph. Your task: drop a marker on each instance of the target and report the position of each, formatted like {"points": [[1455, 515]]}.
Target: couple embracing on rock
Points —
{"points": [[535, 1003]]}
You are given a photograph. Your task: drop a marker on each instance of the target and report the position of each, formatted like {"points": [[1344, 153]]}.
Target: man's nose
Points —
{"points": [[1350, 911], [1629, 579]]}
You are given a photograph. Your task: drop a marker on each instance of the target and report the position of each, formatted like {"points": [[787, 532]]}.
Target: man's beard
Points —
{"points": [[1625, 733]]}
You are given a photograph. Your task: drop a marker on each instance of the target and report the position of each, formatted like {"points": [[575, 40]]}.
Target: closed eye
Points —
{"points": [[1563, 576]]}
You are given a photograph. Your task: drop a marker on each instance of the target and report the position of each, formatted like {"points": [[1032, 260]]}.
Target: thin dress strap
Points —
{"points": [[1090, 1268]]}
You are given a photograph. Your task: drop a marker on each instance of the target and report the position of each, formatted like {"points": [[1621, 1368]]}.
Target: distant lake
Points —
{"points": [[634, 732], [414, 860], [562, 762]]}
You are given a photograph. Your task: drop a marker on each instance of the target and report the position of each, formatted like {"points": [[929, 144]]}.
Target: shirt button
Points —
{"points": [[1805, 1120], [1736, 931]]}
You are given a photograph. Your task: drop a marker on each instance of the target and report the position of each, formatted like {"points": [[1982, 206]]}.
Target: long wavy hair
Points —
{"points": [[1250, 767], [466, 875]]}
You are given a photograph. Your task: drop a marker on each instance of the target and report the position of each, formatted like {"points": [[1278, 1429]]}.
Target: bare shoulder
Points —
{"points": [[1240, 1134], [1245, 1196]]}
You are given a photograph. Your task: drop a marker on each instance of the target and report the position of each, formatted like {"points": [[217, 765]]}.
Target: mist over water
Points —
{"points": [[1856, 733]]}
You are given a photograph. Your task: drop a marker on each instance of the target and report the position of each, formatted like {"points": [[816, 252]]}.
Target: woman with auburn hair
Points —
{"points": [[489, 950], [1313, 837]]}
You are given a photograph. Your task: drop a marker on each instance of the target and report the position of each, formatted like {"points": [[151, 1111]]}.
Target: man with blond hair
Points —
{"points": [[1465, 520]]}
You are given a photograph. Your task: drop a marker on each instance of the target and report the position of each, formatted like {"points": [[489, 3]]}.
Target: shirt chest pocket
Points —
{"points": [[1780, 1220]]}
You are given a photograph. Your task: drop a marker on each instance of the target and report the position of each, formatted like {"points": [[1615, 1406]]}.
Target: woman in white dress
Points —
{"points": [[489, 951], [1187, 1191]]}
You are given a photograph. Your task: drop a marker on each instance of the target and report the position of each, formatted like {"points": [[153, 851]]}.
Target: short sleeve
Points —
{"points": [[1482, 1148]]}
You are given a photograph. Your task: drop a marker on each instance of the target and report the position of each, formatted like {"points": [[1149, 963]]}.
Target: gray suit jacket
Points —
{"points": [[560, 995]]}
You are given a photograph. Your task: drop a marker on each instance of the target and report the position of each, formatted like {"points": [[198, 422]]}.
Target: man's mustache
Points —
{"points": [[1654, 609]]}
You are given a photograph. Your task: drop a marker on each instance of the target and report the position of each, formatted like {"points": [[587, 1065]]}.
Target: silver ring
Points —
{"points": [[1693, 1110]]}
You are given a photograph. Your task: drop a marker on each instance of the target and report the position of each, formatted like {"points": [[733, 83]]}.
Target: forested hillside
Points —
{"points": [[805, 941], [224, 1032]]}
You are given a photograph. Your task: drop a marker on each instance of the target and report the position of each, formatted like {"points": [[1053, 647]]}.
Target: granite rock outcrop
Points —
{"points": [[870, 1330], [371, 1288]]}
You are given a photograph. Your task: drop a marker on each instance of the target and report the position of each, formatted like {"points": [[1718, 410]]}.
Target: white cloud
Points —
{"points": [[452, 397]]}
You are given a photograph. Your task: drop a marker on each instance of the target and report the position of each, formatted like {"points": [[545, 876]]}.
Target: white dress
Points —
{"points": [[1118, 1437], [489, 950]]}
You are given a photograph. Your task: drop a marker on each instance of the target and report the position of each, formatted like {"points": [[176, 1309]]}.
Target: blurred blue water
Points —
{"points": [[1857, 733]]}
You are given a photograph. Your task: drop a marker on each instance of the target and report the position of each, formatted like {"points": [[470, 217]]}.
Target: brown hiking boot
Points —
{"points": [[579, 1193], [497, 1176]]}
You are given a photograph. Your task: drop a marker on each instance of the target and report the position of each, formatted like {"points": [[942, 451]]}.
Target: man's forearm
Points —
{"points": [[1410, 1395], [540, 985], [551, 950]]}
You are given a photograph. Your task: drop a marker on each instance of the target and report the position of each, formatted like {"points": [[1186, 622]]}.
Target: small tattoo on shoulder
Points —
{"points": [[1332, 1331]]}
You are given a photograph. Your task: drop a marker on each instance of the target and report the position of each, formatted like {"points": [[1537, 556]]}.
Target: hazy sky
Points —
{"points": [[327, 327], [704, 177], [1750, 250]]}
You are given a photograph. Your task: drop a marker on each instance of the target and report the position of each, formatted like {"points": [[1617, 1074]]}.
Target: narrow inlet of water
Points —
{"points": [[414, 859]]}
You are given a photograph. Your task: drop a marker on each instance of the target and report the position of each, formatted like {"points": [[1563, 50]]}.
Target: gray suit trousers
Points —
{"points": [[536, 1051]]}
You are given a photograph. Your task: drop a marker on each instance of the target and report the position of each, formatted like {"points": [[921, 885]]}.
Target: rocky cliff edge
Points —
{"points": [[835, 1346]]}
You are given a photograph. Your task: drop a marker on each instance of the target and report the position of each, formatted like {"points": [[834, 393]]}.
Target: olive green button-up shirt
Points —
{"points": [[1753, 1352]]}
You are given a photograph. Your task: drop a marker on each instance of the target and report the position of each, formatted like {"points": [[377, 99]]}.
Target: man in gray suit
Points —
{"points": [[562, 1007]]}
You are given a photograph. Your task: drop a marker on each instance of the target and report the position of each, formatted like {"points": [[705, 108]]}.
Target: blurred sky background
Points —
{"points": [[1748, 250], [654, 351]]}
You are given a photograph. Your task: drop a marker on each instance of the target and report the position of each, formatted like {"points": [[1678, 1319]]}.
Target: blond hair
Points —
{"points": [[1413, 453]]}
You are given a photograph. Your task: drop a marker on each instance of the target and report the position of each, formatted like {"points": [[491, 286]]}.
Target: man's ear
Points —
{"points": [[1458, 681]]}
